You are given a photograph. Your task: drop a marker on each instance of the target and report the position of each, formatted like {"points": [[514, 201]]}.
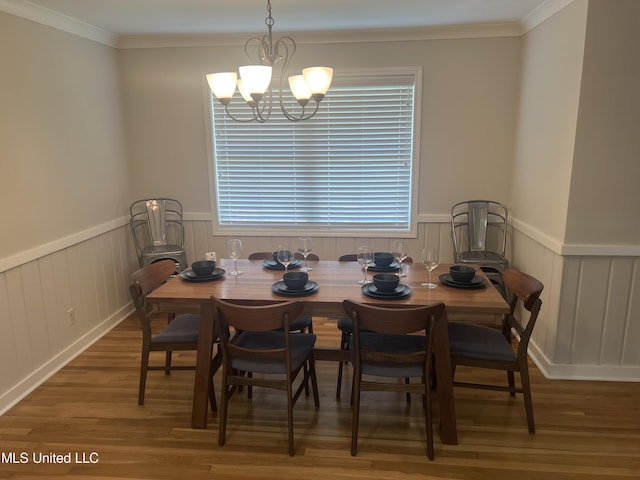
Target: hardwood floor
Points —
{"points": [[585, 430]]}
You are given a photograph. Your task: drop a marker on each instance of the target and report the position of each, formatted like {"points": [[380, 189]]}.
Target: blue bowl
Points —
{"points": [[386, 282]]}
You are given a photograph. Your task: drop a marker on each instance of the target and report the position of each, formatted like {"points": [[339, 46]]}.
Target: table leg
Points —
{"points": [[203, 365], [444, 383]]}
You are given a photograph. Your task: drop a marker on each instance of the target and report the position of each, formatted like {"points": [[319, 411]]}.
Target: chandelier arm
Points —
{"points": [[289, 46], [302, 115], [267, 102], [241, 120]]}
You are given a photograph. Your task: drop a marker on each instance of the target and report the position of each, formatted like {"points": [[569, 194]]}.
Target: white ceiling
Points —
{"points": [[164, 17]]}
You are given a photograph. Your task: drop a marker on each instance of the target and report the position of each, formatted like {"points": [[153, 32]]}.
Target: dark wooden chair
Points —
{"points": [[344, 324], [180, 333], [397, 344], [485, 347], [262, 344], [266, 255]]}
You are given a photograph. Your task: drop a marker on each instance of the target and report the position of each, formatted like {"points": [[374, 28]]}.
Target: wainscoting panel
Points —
{"points": [[37, 334], [589, 327]]}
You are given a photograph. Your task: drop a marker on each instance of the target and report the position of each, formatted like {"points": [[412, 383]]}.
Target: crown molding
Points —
{"points": [[327, 37], [543, 13], [50, 18]]}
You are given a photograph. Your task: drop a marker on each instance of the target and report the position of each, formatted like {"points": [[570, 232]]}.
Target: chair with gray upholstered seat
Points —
{"points": [[263, 344], [180, 333], [388, 344], [485, 347]]}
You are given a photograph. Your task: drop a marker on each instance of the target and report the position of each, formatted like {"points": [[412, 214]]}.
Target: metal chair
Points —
{"points": [[394, 343], [262, 344], [479, 236], [180, 333], [158, 231], [485, 347]]}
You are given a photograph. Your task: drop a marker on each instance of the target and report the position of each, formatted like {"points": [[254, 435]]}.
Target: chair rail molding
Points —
{"points": [[26, 256]]}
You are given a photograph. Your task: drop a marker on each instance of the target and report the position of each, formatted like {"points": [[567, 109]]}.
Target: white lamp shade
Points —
{"points": [[243, 91], [255, 78], [222, 84], [318, 79], [299, 87]]}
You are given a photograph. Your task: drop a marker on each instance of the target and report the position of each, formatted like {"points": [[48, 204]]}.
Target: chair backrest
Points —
{"points": [[478, 223], [267, 255], [261, 317], [157, 222], [260, 255], [353, 257], [144, 281], [526, 289], [398, 320], [267, 317]]}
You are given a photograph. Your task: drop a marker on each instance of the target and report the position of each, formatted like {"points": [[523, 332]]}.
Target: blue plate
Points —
{"points": [[476, 282], [279, 288], [273, 265], [190, 276], [401, 291]]}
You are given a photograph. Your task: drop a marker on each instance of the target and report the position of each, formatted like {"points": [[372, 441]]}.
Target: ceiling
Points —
{"points": [[172, 17]]}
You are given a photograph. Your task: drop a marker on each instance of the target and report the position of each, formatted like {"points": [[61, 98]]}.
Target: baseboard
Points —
{"points": [[602, 373], [28, 384]]}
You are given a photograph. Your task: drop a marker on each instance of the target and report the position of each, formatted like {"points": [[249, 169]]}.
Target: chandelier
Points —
{"points": [[255, 86]]}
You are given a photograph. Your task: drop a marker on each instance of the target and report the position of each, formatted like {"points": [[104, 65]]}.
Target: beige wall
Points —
{"points": [[551, 76], [603, 204], [63, 159], [469, 98]]}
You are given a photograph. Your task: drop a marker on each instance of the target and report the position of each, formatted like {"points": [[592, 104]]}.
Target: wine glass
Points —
{"points": [[285, 256], [401, 252], [305, 249], [365, 258], [431, 261], [234, 249]]}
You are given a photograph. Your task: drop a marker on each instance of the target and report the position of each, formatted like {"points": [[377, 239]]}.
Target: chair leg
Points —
{"points": [[144, 363], [222, 428], [167, 363], [344, 345], [290, 416], [314, 381], [355, 398], [512, 383], [526, 393]]}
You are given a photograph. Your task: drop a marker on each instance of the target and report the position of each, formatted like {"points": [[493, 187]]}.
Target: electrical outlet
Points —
{"points": [[72, 317]]}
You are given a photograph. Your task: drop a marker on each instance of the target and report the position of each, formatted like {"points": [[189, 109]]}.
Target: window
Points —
{"points": [[347, 169]]}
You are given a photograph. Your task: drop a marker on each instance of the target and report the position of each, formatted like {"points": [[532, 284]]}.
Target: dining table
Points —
{"points": [[333, 282]]}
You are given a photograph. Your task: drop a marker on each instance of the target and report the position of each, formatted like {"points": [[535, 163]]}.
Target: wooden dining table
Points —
{"points": [[336, 281]]}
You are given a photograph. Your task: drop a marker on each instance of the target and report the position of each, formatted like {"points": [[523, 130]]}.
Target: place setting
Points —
{"points": [[202, 271], [462, 276], [386, 286], [384, 262], [283, 259], [295, 284]]}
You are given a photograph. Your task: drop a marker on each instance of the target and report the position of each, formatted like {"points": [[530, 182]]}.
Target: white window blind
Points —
{"points": [[348, 168]]}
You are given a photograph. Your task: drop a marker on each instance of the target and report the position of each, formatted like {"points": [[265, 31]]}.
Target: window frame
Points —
{"points": [[266, 230]]}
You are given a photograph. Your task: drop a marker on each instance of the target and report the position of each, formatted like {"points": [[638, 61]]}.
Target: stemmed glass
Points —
{"points": [[234, 249], [365, 258], [431, 261], [305, 249], [401, 252], [285, 256]]}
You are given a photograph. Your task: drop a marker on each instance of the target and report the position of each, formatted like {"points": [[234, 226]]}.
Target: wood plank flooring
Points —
{"points": [[585, 430]]}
